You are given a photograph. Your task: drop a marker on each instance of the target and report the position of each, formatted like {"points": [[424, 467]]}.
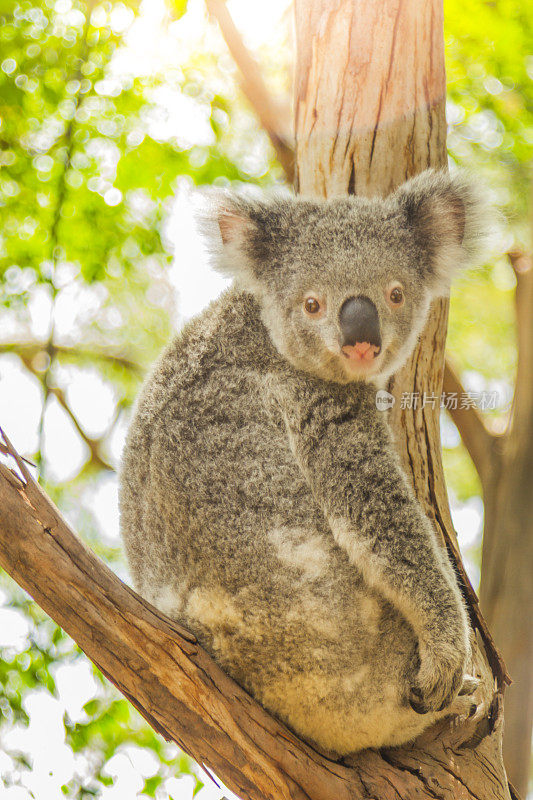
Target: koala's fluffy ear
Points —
{"points": [[451, 221], [240, 233]]}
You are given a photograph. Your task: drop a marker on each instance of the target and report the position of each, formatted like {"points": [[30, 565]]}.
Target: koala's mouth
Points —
{"points": [[362, 359], [361, 352]]}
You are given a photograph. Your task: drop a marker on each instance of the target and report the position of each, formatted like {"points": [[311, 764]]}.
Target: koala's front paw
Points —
{"points": [[439, 679]]}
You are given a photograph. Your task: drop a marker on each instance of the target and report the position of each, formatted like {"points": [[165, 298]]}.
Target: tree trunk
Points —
{"points": [[369, 112], [504, 463], [506, 577], [506, 592]]}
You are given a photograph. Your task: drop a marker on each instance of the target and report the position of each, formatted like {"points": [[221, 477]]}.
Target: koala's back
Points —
{"points": [[223, 534], [200, 451]]}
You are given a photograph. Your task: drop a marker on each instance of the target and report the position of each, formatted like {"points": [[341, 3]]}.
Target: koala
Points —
{"points": [[263, 505]]}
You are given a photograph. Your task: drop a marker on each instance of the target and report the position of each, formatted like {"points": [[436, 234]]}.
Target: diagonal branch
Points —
{"points": [[94, 445], [269, 112], [477, 438], [28, 352], [187, 698]]}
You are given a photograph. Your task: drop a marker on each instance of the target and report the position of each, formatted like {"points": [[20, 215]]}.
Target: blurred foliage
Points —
{"points": [[91, 160], [489, 61], [489, 64], [109, 725], [89, 170]]}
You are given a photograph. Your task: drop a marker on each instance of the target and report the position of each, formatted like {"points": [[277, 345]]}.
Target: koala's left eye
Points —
{"points": [[395, 295]]}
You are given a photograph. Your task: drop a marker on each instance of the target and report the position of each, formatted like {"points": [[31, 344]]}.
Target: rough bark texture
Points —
{"points": [[369, 112]]}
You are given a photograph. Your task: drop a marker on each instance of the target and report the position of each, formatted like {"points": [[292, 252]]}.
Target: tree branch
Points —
{"points": [[476, 437], [522, 420], [506, 588], [28, 351], [69, 145], [94, 445], [269, 112], [188, 699]]}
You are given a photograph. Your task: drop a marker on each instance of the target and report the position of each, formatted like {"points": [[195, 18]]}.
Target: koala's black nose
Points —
{"points": [[359, 322]]}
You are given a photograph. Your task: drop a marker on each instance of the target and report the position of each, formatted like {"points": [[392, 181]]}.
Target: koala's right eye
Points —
{"points": [[312, 306]]}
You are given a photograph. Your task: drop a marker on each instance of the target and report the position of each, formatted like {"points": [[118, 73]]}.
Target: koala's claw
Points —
{"points": [[469, 686], [424, 706], [440, 693], [416, 702]]}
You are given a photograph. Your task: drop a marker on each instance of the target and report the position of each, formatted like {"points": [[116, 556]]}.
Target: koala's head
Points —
{"points": [[345, 285]]}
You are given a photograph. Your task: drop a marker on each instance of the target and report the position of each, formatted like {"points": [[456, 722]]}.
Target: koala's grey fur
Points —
{"points": [[262, 502]]}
